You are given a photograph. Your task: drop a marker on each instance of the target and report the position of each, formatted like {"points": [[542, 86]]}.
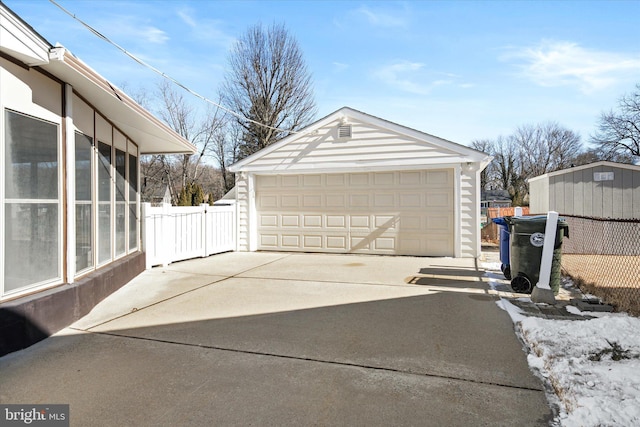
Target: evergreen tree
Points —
{"points": [[197, 195], [184, 199]]}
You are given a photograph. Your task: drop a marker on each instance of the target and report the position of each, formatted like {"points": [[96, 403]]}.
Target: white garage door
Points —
{"points": [[403, 212]]}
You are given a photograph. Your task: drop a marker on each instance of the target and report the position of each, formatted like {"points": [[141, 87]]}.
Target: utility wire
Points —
{"points": [[164, 75]]}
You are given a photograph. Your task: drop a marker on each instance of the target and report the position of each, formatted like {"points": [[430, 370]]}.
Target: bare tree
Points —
{"points": [[181, 171], [226, 152], [487, 175], [546, 147], [619, 131], [530, 151], [267, 83]]}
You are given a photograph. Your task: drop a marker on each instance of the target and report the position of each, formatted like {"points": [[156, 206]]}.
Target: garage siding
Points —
{"points": [[395, 212]]}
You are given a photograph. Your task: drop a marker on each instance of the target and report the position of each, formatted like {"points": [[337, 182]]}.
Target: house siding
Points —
{"points": [[242, 203], [469, 214], [369, 144]]}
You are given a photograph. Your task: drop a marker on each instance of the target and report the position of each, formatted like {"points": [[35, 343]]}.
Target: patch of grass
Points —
{"points": [[615, 352]]}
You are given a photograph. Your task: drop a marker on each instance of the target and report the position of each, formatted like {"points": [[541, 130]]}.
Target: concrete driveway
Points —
{"points": [[288, 339]]}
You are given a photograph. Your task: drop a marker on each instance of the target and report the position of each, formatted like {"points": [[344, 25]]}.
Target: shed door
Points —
{"points": [[396, 212]]}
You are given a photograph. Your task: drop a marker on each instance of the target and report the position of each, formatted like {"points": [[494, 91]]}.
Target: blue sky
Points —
{"points": [[461, 70]]}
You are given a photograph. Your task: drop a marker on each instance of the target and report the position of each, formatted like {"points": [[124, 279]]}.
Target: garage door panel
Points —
{"points": [[314, 221], [312, 181], [384, 200], [359, 200], [269, 241], [336, 201], [266, 182], [439, 200], [335, 180], [267, 220], [336, 221], [410, 178], [289, 201], [359, 179], [337, 242], [395, 212], [438, 223], [410, 245], [290, 180], [385, 243], [268, 201], [438, 246], [290, 220], [437, 178], [408, 222], [384, 179], [410, 200], [290, 241], [385, 222], [312, 242], [359, 222], [360, 243], [312, 201]]}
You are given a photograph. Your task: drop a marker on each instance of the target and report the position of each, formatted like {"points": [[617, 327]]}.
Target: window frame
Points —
{"points": [[59, 203]]}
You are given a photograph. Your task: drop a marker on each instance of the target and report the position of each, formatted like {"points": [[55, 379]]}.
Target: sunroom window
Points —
{"points": [[104, 202], [32, 243], [84, 202]]}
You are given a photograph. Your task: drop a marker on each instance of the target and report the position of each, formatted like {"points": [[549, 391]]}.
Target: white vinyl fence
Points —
{"points": [[175, 233]]}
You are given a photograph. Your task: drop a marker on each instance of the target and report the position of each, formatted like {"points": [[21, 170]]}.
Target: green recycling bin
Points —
{"points": [[527, 240]]}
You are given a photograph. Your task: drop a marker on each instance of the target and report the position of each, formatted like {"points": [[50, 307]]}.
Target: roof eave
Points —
{"points": [[152, 135]]}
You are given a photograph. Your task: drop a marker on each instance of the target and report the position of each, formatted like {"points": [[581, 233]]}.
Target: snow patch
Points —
{"points": [[592, 365]]}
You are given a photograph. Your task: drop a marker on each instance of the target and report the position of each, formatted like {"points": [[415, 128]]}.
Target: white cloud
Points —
{"points": [[136, 32], [153, 35], [340, 66], [185, 15], [208, 30], [380, 18], [562, 63], [412, 77]]}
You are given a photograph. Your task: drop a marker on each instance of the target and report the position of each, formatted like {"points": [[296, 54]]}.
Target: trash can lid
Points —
{"points": [[500, 221], [536, 223]]}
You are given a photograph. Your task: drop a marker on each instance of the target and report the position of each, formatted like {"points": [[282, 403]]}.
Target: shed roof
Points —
{"points": [[587, 166], [375, 144], [21, 42]]}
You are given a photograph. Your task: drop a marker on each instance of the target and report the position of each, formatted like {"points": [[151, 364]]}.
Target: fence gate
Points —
{"points": [[175, 233]]}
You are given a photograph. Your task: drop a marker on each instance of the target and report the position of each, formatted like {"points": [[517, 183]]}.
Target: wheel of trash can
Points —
{"points": [[507, 272], [521, 284]]}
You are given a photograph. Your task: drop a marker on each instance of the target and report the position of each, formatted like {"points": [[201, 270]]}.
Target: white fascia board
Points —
{"points": [[20, 41]]}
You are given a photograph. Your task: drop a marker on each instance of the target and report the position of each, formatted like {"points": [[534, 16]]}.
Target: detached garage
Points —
{"points": [[354, 183]]}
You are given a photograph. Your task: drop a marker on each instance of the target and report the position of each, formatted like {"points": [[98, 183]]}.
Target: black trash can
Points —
{"points": [[527, 240]]}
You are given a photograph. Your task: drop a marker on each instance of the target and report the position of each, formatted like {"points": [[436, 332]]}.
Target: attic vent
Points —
{"points": [[344, 131]]}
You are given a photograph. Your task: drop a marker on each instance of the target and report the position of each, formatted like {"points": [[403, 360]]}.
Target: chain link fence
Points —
{"points": [[603, 258]]}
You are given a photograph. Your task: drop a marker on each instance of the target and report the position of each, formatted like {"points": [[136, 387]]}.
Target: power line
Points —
{"points": [[164, 75]]}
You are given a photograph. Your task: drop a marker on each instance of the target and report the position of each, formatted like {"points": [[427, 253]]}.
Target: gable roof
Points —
{"points": [[21, 42], [602, 163], [375, 144]]}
